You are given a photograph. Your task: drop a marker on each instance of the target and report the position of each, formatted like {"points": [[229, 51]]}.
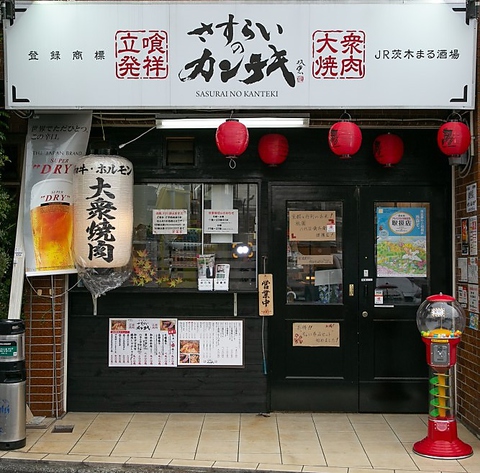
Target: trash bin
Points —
{"points": [[12, 384]]}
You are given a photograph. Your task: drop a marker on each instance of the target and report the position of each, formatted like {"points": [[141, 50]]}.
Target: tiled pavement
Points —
{"points": [[296, 442]]}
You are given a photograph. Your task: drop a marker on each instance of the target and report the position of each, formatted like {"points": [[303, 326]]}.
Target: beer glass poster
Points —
{"points": [[171, 342], [54, 144]]}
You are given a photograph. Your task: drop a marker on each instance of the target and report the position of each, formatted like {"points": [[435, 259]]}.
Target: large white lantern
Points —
{"points": [[103, 221]]}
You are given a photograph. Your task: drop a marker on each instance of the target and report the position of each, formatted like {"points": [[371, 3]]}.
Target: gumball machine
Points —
{"points": [[441, 321]]}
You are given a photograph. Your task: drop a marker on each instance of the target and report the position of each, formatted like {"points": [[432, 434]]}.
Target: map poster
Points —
{"points": [[401, 248]]}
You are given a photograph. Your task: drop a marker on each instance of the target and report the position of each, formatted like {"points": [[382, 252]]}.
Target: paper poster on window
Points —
{"points": [[169, 222], [314, 259], [142, 342], [221, 221], [401, 248], [314, 334], [311, 225], [210, 343]]}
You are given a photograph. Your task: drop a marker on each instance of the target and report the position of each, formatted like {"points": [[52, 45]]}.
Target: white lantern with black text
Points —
{"points": [[103, 221]]}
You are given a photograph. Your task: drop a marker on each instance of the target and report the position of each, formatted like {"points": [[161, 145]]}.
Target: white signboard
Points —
{"points": [[228, 55]]}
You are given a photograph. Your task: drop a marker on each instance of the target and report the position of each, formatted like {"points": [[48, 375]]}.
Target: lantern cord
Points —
{"points": [[103, 129], [232, 163], [138, 137], [52, 296], [94, 301]]}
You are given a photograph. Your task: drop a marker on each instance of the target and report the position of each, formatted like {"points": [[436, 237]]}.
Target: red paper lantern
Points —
{"points": [[453, 138], [273, 149], [344, 139], [388, 149], [232, 139]]}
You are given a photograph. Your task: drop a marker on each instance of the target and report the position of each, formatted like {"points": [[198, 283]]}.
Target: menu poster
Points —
{"points": [[210, 343], [142, 342]]}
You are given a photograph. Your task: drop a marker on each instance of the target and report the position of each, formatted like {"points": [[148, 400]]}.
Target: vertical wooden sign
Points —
{"points": [[265, 295]]}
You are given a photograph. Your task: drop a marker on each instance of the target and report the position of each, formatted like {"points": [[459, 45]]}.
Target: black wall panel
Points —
{"points": [[93, 386]]}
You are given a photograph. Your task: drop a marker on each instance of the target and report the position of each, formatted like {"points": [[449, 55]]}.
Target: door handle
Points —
{"points": [[364, 314]]}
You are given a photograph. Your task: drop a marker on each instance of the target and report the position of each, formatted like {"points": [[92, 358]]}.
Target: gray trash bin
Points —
{"points": [[12, 384]]}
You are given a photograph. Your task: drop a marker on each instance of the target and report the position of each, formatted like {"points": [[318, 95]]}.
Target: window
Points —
{"points": [[179, 225], [314, 253]]}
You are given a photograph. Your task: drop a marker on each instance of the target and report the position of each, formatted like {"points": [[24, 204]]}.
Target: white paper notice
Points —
{"points": [[210, 342]]}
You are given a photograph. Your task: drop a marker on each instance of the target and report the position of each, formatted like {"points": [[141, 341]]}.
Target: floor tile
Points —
{"points": [[135, 448], [50, 446], [235, 465], [378, 447], [214, 456], [260, 457], [105, 459], [303, 442], [429, 464], [349, 459], [93, 447], [192, 463], [324, 469], [394, 461], [55, 457], [279, 467], [303, 458], [148, 461], [16, 455]]}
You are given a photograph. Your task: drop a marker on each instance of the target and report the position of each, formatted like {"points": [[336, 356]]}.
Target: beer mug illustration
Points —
{"points": [[51, 218]]}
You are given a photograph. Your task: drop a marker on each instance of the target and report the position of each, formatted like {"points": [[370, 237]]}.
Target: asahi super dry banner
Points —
{"points": [[53, 145]]}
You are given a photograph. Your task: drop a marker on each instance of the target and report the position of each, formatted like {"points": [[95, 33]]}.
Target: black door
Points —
{"points": [[351, 265]]}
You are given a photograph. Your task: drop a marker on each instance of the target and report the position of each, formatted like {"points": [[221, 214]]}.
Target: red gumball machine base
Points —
{"points": [[442, 441]]}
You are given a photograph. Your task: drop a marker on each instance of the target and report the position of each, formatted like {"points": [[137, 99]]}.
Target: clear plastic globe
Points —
{"points": [[441, 316]]}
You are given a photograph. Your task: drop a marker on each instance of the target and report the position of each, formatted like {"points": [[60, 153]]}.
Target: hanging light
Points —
{"points": [[103, 221], [273, 149], [453, 138], [345, 139], [388, 149], [232, 139]]}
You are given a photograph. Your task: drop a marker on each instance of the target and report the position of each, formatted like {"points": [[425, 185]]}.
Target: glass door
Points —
{"points": [[358, 263]]}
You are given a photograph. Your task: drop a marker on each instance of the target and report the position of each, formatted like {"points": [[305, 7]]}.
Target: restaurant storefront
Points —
{"points": [[321, 247]]}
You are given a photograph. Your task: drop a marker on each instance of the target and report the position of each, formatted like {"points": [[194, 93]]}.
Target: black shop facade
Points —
{"points": [[289, 199]]}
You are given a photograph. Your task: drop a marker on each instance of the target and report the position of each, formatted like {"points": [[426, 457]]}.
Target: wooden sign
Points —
{"points": [[314, 334], [265, 294]]}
